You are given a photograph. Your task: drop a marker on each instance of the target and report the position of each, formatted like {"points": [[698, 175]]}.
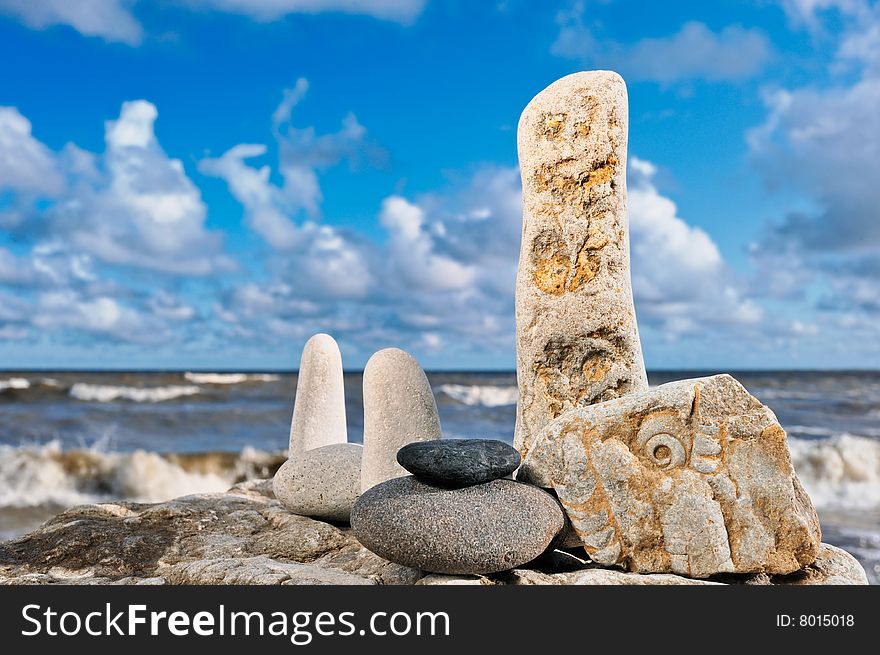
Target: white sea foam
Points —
{"points": [[14, 383], [486, 395], [230, 378], [46, 475], [842, 472], [108, 393]]}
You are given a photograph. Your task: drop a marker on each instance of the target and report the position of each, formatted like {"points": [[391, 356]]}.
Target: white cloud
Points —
{"points": [[810, 13], [334, 264], [167, 306], [412, 250], [26, 165], [444, 274], [820, 144], [402, 11], [681, 283], [694, 52], [142, 210], [111, 20], [15, 271], [823, 140], [264, 203], [270, 208], [101, 315]]}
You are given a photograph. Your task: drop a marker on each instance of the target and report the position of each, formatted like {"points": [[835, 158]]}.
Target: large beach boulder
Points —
{"points": [[475, 530], [692, 477]]}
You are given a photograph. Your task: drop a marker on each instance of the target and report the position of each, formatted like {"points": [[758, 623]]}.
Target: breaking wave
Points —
{"points": [[485, 395], [230, 378], [103, 393], [48, 476], [842, 472], [15, 383]]}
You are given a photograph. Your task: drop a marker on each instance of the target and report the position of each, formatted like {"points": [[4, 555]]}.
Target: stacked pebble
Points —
{"points": [[457, 513]]}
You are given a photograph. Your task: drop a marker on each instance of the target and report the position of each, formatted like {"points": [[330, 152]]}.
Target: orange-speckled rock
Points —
{"points": [[692, 477], [577, 338]]}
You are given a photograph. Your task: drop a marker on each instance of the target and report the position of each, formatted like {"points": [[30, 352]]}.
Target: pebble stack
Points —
{"points": [[457, 514]]}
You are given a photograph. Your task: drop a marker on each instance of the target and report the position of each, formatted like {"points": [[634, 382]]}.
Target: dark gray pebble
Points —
{"points": [[459, 462]]}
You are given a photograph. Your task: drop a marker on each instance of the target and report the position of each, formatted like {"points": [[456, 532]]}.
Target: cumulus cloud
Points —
{"points": [[26, 165], [822, 143], [101, 315], [142, 210], [418, 287], [111, 20], [681, 283], [93, 228], [694, 52], [412, 252]]}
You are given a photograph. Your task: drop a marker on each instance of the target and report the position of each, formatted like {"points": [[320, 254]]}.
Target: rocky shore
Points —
{"points": [[245, 536]]}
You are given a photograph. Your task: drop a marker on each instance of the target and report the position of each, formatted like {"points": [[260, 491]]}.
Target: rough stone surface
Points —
{"points": [[577, 338], [598, 577], [321, 483], [437, 579], [459, 462], [399, 408], [475, 530], [245, 537], [833, 566], [692, 477], [319, 408], [257, 570]]}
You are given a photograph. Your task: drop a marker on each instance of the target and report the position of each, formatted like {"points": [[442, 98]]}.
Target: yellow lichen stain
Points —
{"points": [[585, 269], [547, 178], [602, 174], [551, 126], [596, 369], [587, 264], [551, 273], [564, 181], [582, 129], [551, 263]]}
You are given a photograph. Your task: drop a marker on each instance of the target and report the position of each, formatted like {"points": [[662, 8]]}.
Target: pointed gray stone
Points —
{"points": [[399, 408], [319, 409]]}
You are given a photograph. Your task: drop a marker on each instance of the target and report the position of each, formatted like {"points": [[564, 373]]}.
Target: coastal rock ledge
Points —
{"points": [[245, 536]]}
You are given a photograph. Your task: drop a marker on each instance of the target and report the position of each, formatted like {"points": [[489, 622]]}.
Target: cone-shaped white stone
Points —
{"points": [[399, 408], [319, 409], [577, 338]]}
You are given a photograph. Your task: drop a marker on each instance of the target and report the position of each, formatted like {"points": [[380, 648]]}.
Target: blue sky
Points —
{"points": [[206, 183]]}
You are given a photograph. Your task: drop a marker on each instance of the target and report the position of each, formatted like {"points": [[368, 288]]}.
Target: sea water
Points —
{"points": [[70, 438]]}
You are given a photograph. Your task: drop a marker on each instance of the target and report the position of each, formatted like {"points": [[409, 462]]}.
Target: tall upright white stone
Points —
{"points": [[577, 338], [399, 408], [319, 408]]}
